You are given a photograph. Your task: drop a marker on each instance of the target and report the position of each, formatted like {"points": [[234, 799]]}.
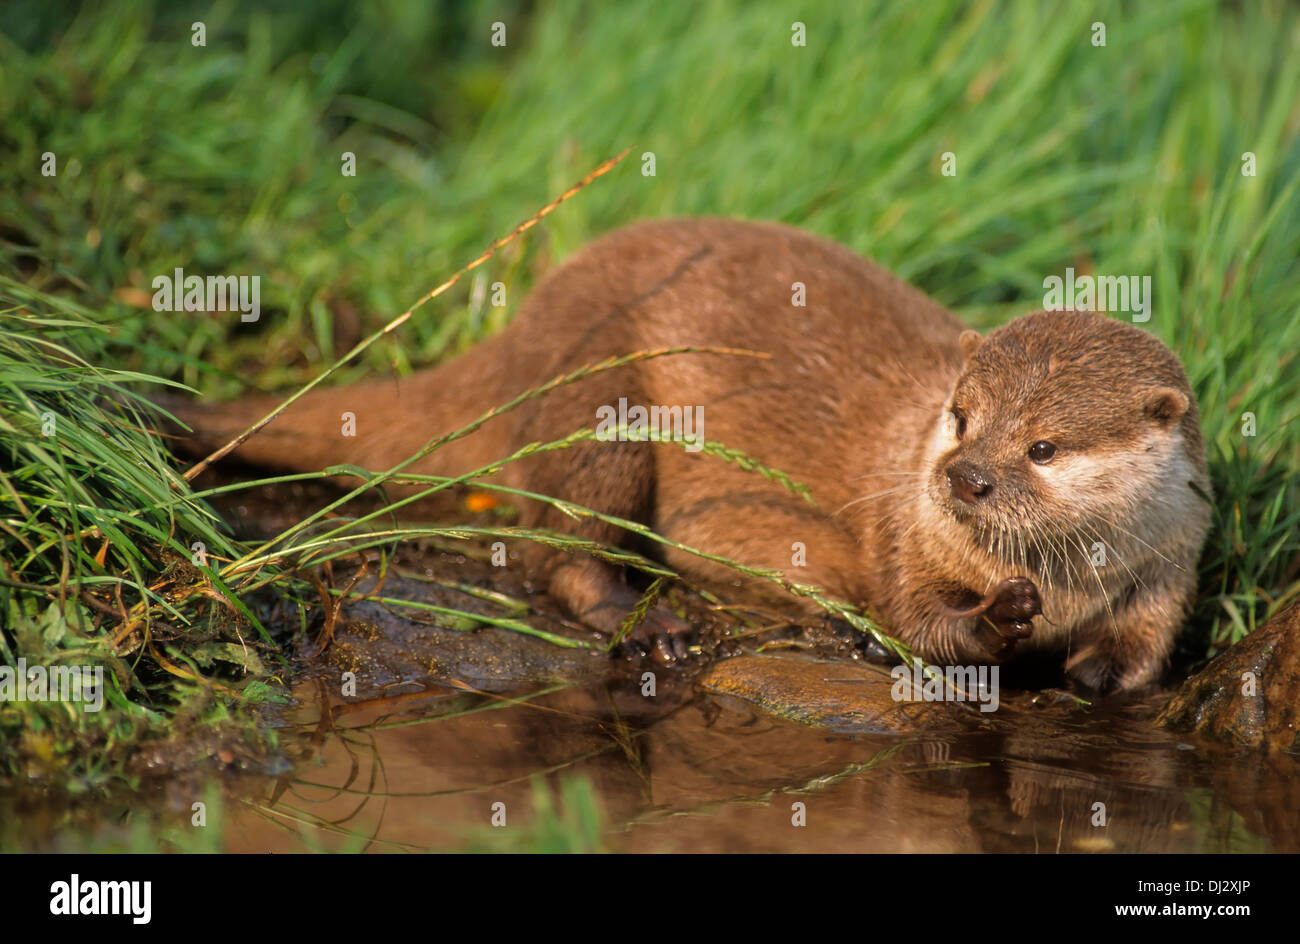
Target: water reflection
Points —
{"points": [[687, 771]]}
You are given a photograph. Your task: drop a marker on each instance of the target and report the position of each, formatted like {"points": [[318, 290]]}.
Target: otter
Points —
{"points": [[1041, 488]]}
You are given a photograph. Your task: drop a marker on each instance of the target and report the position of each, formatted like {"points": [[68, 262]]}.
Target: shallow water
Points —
{"points": [[689, 771]]}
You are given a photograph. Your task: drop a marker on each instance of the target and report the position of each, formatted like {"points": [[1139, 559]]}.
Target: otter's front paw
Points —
{"points": [[1004, 617], [1015, 604]]}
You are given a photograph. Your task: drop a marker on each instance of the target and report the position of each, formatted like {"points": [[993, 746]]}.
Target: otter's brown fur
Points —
{"points": [[854, 402]]}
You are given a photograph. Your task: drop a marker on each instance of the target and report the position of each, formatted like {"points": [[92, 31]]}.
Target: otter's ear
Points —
{"points": [[970, 342], [1165, 405]]}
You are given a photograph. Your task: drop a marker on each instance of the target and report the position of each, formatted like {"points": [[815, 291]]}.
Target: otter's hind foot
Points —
{"points": [[662, 635]]}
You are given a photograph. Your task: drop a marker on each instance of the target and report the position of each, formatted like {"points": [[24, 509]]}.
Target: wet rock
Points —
{"points": [[489, 659], [385, 649], [841, 696], [1220, 703]]}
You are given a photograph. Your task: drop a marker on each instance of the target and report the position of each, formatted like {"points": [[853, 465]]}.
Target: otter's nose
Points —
{"points": [[968, 482]]}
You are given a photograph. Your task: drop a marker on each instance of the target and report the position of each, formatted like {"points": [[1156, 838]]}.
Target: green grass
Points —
{"points": [[225, 159], [100, 537]]}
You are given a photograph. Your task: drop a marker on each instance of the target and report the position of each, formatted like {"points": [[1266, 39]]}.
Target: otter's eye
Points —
{"points": [[959, 422], [1042, 451]]}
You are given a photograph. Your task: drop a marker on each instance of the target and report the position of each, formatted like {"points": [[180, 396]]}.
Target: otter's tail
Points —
{"points": [[374, 424]]}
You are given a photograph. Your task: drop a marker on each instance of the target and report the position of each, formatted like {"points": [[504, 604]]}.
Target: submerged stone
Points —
{"points": [[841, 696]]}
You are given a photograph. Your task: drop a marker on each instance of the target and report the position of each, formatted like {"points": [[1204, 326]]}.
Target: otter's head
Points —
{"points": [[1066, 423]]}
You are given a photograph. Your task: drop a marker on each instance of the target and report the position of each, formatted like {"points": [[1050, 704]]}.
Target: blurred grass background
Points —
{"points": [[1122, 159]]}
